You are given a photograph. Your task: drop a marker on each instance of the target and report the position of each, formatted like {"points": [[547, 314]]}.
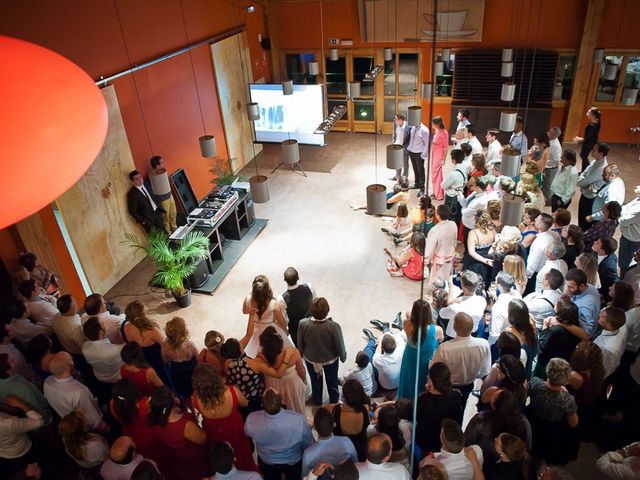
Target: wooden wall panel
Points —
{"points": [[232, 78], [95, 208]]}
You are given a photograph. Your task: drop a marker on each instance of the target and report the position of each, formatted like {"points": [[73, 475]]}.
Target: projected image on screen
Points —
{"points": [[288, 116]]}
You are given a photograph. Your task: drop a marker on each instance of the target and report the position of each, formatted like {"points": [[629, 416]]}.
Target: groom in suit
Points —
{"points": [[141, 205]]}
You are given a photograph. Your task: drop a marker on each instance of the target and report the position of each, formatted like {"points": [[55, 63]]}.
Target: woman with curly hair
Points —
{"points": [[263, 311], [585, 383], [507, 243], [529, 186], [137, 327], [210, 354], [479, 242], [89, 450], [181, 355], [221, 419]]}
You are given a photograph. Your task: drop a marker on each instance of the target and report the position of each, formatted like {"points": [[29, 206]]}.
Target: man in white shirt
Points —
{"points": [[123, 460], [538, 251], [386, 357], [613, 339], [518, 139], [95, 305], [41, 307], [629, 222], [400, 136], [553, 162], [22, 329], [472, 140], [632, 277], [542, 304], [452, 457], [65, 394], [554, 253], [499, 311], [20, 365], [454, 183], [461, 130], [590, 182], [622, 464], [466, 163], [494, 148], [467, 357], [221, 460], [378, 466], [565, 181], [612, 191], [102, 355], [476, 201], [67, 325], [470, 302], [14, 438]]}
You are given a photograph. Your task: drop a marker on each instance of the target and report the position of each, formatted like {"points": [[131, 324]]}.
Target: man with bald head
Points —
{"points": [[65, 394], [122, 460], [468, 357], [378, 466]]}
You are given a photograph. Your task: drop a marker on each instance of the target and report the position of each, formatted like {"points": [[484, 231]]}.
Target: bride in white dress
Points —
{"points": [[263, 312]]}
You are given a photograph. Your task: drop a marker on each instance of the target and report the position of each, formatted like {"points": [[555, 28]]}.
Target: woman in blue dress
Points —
{"points": [[420, 320]]}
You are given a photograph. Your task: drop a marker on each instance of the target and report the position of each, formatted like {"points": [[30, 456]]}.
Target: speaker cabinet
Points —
{"points": [[199, 277]]}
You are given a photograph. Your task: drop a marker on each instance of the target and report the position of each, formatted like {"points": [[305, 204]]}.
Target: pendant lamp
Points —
{"points": [[353, 89], [508, 92], [507, 54], [208, 146], [333, 54], [50, 105], [511, 210], [290, 152], [414, 116], [446, 54], [438, 68], [253, 111], [598, 55], [629, 96], [508, 121], [376, 199], [507, 69], [259, 188], [426, 90], [287, 87], [388, 54], [510, 163], [395, 156], [314, 68], [610, 72]]}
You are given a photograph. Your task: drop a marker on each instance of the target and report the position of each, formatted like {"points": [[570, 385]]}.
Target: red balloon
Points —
{"points": [[53, 124]]}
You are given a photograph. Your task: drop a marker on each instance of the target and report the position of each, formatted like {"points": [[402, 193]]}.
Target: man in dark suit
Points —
{"points": [[607, 264], [142, 206]]}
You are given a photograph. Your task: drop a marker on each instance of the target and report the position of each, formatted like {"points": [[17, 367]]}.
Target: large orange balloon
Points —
{"points": [[53, 123]]}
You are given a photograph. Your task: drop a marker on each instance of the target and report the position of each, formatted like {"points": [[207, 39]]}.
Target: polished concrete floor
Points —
{"points": [[339, 251]]}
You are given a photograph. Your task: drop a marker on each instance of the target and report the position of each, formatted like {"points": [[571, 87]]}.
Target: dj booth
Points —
{"points": [[226, 216]]}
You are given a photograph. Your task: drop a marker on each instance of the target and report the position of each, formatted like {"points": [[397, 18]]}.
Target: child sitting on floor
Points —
{"points": [[363, 373]]}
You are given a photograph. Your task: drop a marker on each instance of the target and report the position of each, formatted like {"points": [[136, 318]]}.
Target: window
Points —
{"points": [[564, 77], [631, 82], [407, 74], [296, 67], [608, 78], [336, 76], [362, 66], [401, 78], [444, 82], [619, 80]]}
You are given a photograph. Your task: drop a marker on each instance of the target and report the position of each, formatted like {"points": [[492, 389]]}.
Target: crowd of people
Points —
{"points": [[540, 322]]}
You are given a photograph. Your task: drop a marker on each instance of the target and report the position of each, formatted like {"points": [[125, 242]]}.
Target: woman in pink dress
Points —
{"points": [[438, 152]]}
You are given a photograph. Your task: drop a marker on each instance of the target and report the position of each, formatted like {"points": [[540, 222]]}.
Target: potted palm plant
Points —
{"points": [[174, 262]]}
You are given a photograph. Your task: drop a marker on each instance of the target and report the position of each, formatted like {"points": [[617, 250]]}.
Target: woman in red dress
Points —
{"points": [[138, 369], [221, 420], [181, 441], [438, 153]]}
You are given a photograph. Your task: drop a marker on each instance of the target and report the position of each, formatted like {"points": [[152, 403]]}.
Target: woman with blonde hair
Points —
{"points": [[137, 327], [589, 265], [514, 265], [479, 242], [210, 354], [181, 354], [89, 450], [528, 185], [263, 311]]}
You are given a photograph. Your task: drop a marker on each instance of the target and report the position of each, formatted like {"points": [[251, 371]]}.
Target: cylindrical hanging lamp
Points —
{"points": [[333, 54], [507, 54], [629, 96], [353, 89], [414, 116], [290, 152], [610, 72], [426, 90], [598, 55], [287, 87], [259, 188], [446, 54], [253, 111], [510, 163], [508, 121], [388, 54], [507, 69], [395, 156], [508, 92], [438, 68], [208, 146], [376, 199], [314, 68], [160, 182], [511, 209]]}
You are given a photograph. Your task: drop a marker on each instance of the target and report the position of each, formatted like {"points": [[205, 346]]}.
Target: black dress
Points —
{"points": [[570, 256], [555, 342], [591, 132], [359, 440], [431, 410], [503, 470], [153, 356]]}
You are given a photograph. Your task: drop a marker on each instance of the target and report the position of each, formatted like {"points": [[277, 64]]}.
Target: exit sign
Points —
{"points": [[334, 41]]}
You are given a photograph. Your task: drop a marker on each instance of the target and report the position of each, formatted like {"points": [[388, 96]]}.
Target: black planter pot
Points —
{"points": [[183, 300]]}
